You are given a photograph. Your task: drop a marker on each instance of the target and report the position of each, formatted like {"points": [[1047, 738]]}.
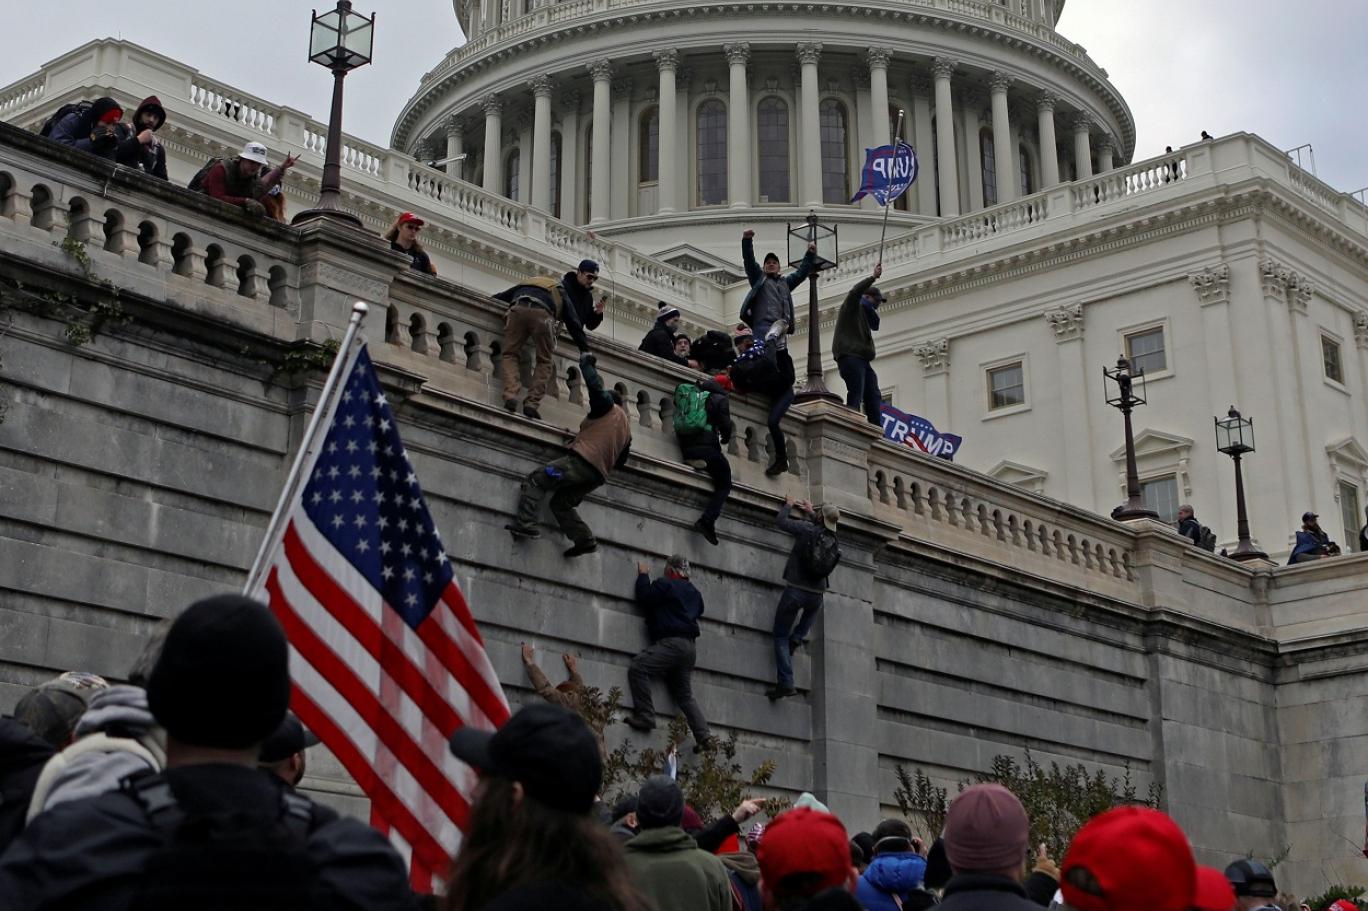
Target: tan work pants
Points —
{"points": [[521, 324]]}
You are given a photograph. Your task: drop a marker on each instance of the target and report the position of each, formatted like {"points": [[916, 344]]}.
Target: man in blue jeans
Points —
{"points": [[852, 344], [802, 598]]}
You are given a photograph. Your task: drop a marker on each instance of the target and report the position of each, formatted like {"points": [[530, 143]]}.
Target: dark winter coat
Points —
{"points": [[420, 260], [672, 607], [769, 299], [78, 130], [675, 875], [22, 757], [1191, 528], [855, 324], [1363, 539], [583, 299], [660, 342], [795, 570], [899, 874], [1310, 545], [984, 892], [718, 409], [150, 159], [713, 350]]}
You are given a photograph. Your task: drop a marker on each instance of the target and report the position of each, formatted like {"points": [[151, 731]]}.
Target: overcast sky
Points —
{"points": [[1293, 71]]}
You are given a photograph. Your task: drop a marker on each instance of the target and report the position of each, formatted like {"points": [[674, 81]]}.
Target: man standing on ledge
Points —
{"points": [[672, 607], [535, 307], [814, 555], [852, 344]]}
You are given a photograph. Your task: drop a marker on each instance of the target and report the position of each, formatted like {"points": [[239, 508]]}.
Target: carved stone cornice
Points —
{"points": [[934, 356], [738, 53], [1104, 143], [942, 67], [542, 85], [878, 57], [1067, 322], [1212, 284], [492, 105], [1082, 123], [1283, 285], [1046, 101], [601, 70], [666, 60], [1000, 81], [808, 53], [455, 126], [1361, 329]]}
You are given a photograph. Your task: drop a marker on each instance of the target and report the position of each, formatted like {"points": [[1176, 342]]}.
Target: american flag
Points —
{"points": [[385, 659]]}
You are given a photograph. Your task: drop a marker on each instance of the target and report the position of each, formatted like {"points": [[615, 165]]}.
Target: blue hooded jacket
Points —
{"points": [[898, 873]]}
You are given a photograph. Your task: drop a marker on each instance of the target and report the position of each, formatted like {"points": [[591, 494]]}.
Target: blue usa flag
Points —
{"points": [[918, 433], [888, 172]]}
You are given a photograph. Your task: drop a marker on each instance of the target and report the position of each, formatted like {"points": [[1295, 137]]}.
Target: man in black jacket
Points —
{"points": [[672, 605], [986, 835], [1188, 526], [138, 144], [802, 597], [703, 447], [660, 340]]}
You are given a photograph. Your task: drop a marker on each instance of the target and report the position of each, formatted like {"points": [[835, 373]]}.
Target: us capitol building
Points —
{"points": [[1030, 252]]}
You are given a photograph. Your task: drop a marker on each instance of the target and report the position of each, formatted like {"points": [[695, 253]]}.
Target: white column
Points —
{"points": [[569, 158], [738, 127], [602, 72], [971, 104], [1104, 154], [920, 134], [1004, 150], [455, 146], [941, 68], [493, 144], [542, 86], [811, 144], [1049, 148], [667, 62], [878, 58], [1082, 130]]}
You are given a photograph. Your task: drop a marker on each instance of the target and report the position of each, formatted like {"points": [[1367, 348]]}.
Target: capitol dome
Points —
{"points": [[671, 124]]}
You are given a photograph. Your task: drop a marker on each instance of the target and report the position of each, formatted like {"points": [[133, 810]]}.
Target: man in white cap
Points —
{"points": [[239, 181]]}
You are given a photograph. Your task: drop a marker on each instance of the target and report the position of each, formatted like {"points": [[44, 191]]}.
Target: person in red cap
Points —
{"points": [[403, 238], [1129, 859], [802, 853], [1215, 893], [986, 838]]}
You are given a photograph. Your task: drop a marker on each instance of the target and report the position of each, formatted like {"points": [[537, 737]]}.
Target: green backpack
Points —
{"points": [[691, 412]]}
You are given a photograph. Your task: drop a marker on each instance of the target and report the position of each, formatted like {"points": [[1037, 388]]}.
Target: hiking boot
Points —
{"points": [[522, 532], [775, 693], [778, 467], [511, 406], [580, 550], [706, 530], [707, 743], [532, 412], [639, 723]]}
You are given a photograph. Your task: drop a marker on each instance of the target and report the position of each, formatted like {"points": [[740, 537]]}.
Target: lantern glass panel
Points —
{"points": [[358, 39], [323, 38], [804, 233]]}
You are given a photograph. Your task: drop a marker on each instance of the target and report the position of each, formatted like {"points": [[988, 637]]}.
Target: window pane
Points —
{"points": [[1350, 514], [1006, 386], [1330, 351], [1146, 350], [712, 153], [649, 144], [774, 150], [989, 156], [1024, 171], [511, 176], [835, 169], [1161, 495]]}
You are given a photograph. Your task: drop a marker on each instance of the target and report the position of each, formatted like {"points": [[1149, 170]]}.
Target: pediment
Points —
{"points": [[1016, 473], [1149, 442], [1348, 452]]}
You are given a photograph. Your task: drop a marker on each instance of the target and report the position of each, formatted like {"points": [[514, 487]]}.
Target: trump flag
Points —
{"points": [[888, 172], [918, 433]]}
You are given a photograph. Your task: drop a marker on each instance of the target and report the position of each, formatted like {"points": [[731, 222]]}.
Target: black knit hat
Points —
{"points": [[665, 312], [223, 677], [660, 802]]}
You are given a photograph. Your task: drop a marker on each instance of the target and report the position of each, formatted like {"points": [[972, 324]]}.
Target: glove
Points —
{"points": [[253, 207], [587, 359]]}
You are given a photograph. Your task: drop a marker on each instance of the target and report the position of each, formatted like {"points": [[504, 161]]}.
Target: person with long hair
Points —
{"points": [[533, 841], [403, 238]]}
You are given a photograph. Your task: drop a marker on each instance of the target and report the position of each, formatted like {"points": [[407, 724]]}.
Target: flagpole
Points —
{"points": [[359, 309], [897, 132]]}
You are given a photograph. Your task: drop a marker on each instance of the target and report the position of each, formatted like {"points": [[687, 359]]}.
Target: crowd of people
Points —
{"points": [[178, 790]]}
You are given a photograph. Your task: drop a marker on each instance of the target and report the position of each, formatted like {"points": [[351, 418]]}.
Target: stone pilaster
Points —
{"points": [[1212, 284], [1067, 322]]}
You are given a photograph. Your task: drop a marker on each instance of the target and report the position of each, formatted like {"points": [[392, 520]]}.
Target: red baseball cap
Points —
{"points": [[1342, 904], [1129, 859], [804, 841], [410, 217], [1215, 893]]}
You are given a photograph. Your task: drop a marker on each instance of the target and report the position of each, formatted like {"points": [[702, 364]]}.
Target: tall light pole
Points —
{"points": [[810, 232], [1235, 437], [1125, 399], [341, 40]]}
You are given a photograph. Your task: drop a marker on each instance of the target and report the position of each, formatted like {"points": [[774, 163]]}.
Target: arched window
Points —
{"points": [[712, 153], [835, 161], [773, 144], [555, 175], [511, 168], [989, 158], [1024, 171], [903, 202], [648, 146]]}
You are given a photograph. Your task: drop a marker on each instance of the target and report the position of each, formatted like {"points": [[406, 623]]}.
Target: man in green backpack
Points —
{"points": [[703, 425]]}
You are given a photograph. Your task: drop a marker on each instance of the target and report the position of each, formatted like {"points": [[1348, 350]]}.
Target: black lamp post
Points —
{"points": [[799, 238], [341, 40], [1126, 398], [1235, 437]]}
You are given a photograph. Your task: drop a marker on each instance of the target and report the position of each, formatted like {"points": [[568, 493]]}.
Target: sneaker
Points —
{"points": [[639, 722], [580, 550], [511, 406], [522, 532], [775, 693], [706, 530], [778, 467], [707, 743], [697, 464], [532, 412]]}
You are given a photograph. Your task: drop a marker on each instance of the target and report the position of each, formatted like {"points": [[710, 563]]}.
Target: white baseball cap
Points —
{"points": [[254, 151]]}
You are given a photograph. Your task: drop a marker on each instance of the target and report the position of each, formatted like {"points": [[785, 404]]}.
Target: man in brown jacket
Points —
{"points": [[570, 694], [602, 444]]}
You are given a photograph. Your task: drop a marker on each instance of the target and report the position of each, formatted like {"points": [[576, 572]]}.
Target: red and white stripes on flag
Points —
{"points": [[385, 658]]}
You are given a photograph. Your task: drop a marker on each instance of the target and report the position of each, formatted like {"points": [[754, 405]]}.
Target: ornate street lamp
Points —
{"points": [[1235, 437], [1126, 398], [341, 40], [810, 232]]}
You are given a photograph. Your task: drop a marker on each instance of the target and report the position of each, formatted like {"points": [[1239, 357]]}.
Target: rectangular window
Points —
{"points": [[1146, 350], [1161, 495], [1006, 386], [1349, 512], [1330, 354]]}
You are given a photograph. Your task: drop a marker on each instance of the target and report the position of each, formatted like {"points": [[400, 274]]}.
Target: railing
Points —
{"points": [[1312, 187], [356, 155], [1145, 177], [22, 94], [252, 113], [999, 219]]}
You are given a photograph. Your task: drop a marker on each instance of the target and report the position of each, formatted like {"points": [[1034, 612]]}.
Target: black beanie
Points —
{"points": [[660, 802], [223, 677]]}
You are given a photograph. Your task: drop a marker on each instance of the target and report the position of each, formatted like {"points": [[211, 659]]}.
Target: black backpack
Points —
{"points": [[1208, 541], [75, 107], [820, 553], [197, 182], [228, 860]]}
